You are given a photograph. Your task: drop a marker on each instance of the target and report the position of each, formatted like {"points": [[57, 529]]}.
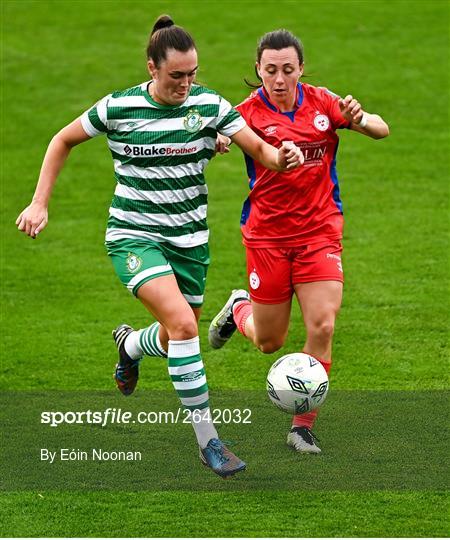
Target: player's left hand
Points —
{"points": [[222, 144], [290, 156], [351, 109], [33, 219]]}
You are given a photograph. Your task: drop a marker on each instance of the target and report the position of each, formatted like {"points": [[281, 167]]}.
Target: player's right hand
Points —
{"points": [[290, 156], [33, 219]]}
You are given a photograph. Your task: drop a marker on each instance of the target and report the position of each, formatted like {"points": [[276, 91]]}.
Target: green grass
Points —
{"points": [[260, 514], [60, 297]]}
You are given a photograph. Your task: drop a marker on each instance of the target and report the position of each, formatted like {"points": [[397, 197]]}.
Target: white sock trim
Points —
{"points": [[184, 348], [132, 345], [203, 427]]}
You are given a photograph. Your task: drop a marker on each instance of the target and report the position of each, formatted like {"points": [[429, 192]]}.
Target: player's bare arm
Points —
{"points": [[286, 158], [35, 216], [368, 124]]}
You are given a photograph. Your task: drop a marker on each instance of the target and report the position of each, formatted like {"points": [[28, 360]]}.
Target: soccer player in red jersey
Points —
{"points": [[292, 222]]}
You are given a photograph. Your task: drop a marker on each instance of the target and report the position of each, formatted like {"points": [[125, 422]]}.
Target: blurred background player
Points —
{"points": [[161, 134], [292, 222]]}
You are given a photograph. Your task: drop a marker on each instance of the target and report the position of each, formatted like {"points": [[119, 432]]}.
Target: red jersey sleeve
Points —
{"points": [[331, 102], [245, 109]]}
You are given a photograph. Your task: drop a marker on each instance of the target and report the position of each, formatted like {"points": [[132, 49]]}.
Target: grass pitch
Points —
{"points": [[61, 298]]}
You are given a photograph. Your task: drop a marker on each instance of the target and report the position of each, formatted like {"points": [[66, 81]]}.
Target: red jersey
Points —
{"points": [[302, 206]]}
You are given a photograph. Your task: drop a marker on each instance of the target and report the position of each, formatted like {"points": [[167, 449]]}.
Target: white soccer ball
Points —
{"points": [[297, 383]]}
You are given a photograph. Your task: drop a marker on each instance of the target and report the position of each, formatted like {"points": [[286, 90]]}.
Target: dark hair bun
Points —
{"points": [[167, 35], [163, 21]]}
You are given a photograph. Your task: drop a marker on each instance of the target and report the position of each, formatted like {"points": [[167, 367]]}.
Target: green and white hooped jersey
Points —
{"points": [[160, 153]]}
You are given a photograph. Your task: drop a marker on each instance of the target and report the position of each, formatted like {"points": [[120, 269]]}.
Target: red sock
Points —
{"points": [[241, 312], [308, 419]]}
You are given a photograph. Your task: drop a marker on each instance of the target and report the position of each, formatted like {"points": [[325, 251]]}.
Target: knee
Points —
{"points": [[269, 346], [322, 329], [182, 328]]}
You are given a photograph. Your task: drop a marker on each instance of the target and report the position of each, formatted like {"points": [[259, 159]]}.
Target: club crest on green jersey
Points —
{"points": [[133, 262], [192, 121]]}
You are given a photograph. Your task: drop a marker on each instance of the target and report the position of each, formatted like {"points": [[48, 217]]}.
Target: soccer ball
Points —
{"points": [[297, 383]]}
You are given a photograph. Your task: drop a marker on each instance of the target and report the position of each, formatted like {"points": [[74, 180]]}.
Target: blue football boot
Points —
{"points": [[217, 457]]}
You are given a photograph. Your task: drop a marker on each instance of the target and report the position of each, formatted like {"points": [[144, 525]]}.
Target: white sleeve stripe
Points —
{"points": [[101, 110], [231, 129], [224, 108], [87, 125], [102, 107]]}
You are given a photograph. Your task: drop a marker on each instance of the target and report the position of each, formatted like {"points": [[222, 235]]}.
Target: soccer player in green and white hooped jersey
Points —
{"points": [[162, 134]]}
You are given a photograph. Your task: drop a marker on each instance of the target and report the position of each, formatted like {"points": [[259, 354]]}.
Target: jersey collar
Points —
{"points": [[148, 97], [265, 98]]}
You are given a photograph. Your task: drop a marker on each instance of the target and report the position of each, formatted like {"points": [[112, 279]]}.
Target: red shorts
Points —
{"points": [[273, 272]]}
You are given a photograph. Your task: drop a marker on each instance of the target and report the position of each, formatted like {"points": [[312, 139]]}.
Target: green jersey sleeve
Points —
{"points": [[229, 120], [95, 119]]}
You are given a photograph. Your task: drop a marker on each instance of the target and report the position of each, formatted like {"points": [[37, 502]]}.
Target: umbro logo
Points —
{"points": [[312, 361], [297, 385], [321, 390], [301, 407], [192, 376], [271, 391]]}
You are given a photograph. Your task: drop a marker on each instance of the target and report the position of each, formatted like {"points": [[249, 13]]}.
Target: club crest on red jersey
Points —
{"points": [[254, 280], [321, 122]]}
